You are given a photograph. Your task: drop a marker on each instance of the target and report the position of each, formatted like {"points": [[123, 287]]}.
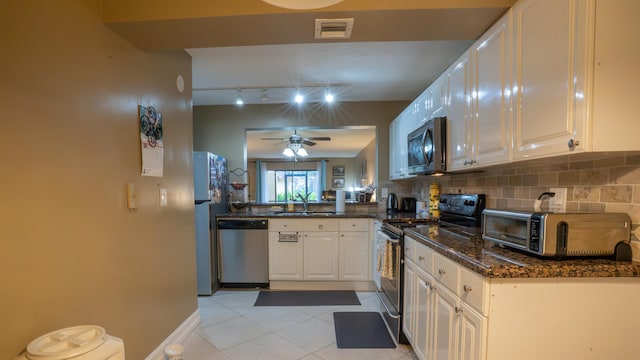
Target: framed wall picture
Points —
{"points": [[338, 170], [338, 182]]}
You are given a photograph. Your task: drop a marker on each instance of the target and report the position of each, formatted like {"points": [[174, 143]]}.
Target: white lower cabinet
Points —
{"points": [[409, 301], [321, 255], [285, 256], [423, 328], [354, 255], [445, 324], [472, 334], [437, 322], [456, 314], [319, 249]]}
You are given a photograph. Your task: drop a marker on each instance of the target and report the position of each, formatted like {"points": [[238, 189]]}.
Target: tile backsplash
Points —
{"points": [[595, 182]]}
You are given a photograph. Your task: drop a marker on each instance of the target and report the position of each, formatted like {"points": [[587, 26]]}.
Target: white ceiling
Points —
{"points": [[397, 48], [365, 71]]}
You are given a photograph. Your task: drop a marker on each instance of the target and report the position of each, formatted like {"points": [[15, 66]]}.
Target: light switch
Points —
{"points": [[163, 197], [384, 193]]}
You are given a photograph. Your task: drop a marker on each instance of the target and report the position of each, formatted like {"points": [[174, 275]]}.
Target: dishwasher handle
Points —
{"points": [[243, 224]]}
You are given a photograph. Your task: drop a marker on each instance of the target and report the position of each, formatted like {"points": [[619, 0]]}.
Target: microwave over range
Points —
{"points": [[427, 148]]}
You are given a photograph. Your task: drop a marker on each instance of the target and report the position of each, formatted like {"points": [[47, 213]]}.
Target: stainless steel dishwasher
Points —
{"points": [[243, 252]]}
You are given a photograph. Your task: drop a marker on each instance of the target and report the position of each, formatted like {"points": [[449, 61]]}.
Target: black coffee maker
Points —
{"points": [[392, 203]]}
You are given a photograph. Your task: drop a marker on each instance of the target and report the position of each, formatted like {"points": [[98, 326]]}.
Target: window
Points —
{"points": [[283, 185]]}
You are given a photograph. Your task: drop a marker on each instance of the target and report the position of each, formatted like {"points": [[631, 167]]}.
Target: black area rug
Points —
{"points": [[306, 298], [361, 330]]}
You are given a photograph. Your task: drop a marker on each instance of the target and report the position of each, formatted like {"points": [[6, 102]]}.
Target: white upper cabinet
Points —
{"points": [[478, 104], [575, 77], [460, 124], [491, 95], [398, 157], [435, 100], [394, 167], [551, 43], [551, 77]]}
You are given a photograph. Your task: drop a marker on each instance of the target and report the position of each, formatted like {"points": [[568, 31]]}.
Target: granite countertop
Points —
{"points": [[298, 214], [493, 261]]}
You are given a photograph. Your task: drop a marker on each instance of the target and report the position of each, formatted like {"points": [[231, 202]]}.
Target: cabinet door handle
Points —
{"points": [[353, 225], [466, 288], [342, 235], [573, 143], [441, 271], [458, 309], [421, 258], [320, 227]]}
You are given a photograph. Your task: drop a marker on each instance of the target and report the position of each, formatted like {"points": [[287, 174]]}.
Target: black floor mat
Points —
{"points": [[306, 298], [361, 330]]}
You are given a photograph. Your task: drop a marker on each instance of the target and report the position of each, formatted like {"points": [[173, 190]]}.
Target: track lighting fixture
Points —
{"points": [[328, 96], [239, 100], [277, 94], [298, 98]]}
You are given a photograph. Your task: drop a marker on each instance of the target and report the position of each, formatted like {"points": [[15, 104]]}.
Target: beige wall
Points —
{"points": [[221, 129], [71, 251], [369, 155]]}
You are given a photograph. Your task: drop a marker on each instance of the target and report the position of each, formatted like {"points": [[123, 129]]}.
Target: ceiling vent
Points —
{"points": [[334, 28]]}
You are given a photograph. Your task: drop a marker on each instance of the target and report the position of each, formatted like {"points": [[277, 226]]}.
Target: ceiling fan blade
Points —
{"points": [[307, 142], [281, 139], [319, 138]]}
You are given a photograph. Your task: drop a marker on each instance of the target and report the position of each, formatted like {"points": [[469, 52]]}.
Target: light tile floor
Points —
{"points": [[232, 328]]}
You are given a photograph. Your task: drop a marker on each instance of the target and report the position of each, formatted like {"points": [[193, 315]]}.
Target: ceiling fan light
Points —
{"points": [[299, 98], [288, 152], [302, 152]]}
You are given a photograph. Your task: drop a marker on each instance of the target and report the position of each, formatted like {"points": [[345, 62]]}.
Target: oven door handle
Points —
{"points": [[391, 314], [387, 238]]}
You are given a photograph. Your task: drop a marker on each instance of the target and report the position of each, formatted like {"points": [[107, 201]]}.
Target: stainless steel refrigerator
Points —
{"points": [[210, 179]]}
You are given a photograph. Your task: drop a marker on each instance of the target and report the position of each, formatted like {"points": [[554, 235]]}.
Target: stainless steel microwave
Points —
{"points": [[427, 147], [557, 234]]}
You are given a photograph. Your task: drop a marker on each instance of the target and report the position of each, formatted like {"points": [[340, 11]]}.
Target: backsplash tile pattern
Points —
{"points": [[595, 182]]}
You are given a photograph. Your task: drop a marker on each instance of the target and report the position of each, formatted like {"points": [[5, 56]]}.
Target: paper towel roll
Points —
{"points": [[339, 201], [421, 209]]}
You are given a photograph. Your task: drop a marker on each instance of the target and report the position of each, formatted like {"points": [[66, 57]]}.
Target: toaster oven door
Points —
{"points": [[507, 228]]}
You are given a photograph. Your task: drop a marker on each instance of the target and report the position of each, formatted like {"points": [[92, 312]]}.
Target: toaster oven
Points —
{"points": [[557, 234]]}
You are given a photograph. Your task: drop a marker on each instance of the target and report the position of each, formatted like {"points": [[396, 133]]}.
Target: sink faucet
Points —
{"points": [[305, 200]]}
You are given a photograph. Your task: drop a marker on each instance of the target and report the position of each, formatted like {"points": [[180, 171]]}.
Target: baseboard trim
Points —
{"points": [[322, 285], [178, 336]]}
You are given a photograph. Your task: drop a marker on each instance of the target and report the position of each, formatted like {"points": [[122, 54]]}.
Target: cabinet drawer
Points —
{"points": [[473, 290], [321, 225], [285, 225], [424, 257], [410, 248], [446, 272], [354, 224]]}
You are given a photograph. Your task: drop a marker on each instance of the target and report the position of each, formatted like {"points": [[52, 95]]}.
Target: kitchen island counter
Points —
{"points": [[494, 261]]}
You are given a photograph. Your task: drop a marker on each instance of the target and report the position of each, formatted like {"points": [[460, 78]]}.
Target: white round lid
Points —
{"points": [[66, 343]]}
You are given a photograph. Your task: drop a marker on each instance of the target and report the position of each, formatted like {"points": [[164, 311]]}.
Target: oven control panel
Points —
{"points": [[462, 204]]}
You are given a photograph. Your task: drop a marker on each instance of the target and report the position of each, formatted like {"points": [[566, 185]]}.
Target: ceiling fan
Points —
{"points": [[297, 139]]}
